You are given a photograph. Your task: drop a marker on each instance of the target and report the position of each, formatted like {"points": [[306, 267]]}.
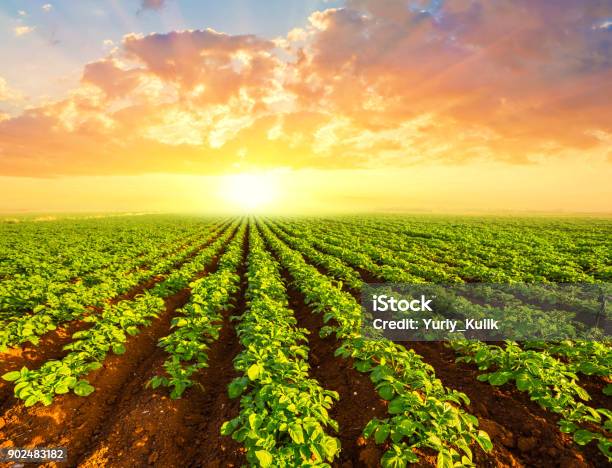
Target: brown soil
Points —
{"points": [[51, 346], [594, 385], [149, 428], [523, 433], [73, 421], [123, 422], [359, 401], [51, 343]]}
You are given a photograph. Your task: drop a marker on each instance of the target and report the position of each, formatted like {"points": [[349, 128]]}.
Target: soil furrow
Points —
{"points": [[522, 432], [207, 410], [52, 343], [359, 402], [73, 421], [150, 428]]}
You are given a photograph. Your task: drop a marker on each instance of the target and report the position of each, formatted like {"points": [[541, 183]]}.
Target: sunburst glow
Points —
{"points": [[249, 191]]}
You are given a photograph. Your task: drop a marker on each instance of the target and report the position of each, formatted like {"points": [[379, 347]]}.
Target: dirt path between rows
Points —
{"points": [[52, 343], [149, 428], [82, 423], [359, 401], [523, 433], [73, 421]]}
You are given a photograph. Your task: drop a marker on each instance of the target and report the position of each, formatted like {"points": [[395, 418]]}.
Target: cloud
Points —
{"points": [[152, 4], [47, 7], [607, 24], [23, 30], [7, 94], [22, 13], [220, 63], [375, 84]]}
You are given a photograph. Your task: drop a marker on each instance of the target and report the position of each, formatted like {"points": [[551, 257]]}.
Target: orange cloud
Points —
{"points": [[7, 93], [374, 84], [23, 30]]}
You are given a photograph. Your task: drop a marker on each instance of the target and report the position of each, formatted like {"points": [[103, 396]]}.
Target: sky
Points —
{"points": [[306, 106]]}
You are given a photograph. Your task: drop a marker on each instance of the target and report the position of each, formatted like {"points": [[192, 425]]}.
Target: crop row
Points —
{"points": [[108, 332], [523, 250], [283, 419], [198, 323], [422, 412], [548, 381], [76, 304], [78, 262]]}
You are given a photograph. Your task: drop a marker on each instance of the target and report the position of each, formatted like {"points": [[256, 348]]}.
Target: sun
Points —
{"points": [[249, 191]]}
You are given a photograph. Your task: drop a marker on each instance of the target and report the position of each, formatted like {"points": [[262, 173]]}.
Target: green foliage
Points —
{"points": [[284, 413], [55, 297], [109, 332], [422, 413], [199, 322]]}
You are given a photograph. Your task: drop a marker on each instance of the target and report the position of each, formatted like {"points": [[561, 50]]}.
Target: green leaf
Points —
{"points": [[499, 378], [523, 382], [156, 381], [83, 388], [481, 355], [31, 400], [587, 368], [583, 437], [582, 393], [370, 428], [381, 433], [331, 446], [386, 392], [445, 460], [119, 348], [94, 366], [407, 427], [229, 426], [179, 388], [11, 376], [363, 366], [484, 441], [296, 433], [254, 371], [181, 322], [255, 421], [397, 458], [396, 406], [607, 390], [46, 400], [567, 426], [264, 457], [236, 388]]}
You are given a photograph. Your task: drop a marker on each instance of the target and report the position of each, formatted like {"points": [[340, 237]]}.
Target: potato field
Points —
{"points": [[161, 340]]}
